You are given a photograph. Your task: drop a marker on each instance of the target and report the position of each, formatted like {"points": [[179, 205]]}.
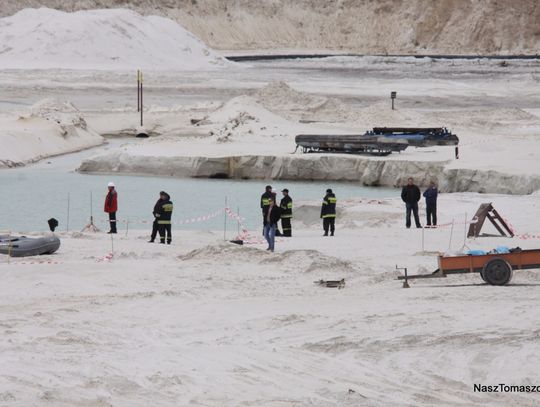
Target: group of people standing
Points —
{"points": [[162, 214], [410, 194], [272, 213]]}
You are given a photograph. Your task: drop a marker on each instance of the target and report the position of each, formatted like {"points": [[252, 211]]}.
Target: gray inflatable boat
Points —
{"points": [[28, 246]]}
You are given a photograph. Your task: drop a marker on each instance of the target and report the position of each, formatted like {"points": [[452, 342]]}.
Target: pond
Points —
{"points": [[33, 194]]}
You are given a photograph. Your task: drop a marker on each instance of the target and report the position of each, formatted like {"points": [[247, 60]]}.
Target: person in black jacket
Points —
{"points": [[271, 220], [264, 203], [274, 197], [163, 214], [431, 204], [410, 194], [328, 212], [286, 213], [155, 223]]}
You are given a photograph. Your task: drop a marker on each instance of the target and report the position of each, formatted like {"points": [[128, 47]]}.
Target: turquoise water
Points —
{"points": [[33, 194]]}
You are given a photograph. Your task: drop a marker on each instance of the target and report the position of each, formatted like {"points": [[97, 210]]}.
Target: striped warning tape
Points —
{"points": [[364, 201], [245, 235], [203, 218], [522, 236], [107, 258], [22, 263], [449, 224]]}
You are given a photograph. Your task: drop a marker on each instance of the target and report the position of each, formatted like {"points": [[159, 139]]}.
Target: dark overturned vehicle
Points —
{"points": [[380, 141]]}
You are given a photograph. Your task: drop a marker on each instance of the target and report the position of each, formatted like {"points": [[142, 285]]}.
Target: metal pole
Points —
{"points": [[91, 210], [127, 226], [406, 282], [392, 103], [112, 245], [423, 250], [225, 221], [451, 232], [67, 222], [138, 90], [142, 105], [465, 231]]}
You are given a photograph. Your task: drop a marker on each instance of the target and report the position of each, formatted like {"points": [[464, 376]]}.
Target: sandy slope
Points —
{"points": [[51, 127], [100, 39], [205, 323], [390, 26], [253, 137]]}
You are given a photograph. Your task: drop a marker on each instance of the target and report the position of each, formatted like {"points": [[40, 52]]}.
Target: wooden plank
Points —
{"points": [[480, 215], [496, 225], [503, 223]]}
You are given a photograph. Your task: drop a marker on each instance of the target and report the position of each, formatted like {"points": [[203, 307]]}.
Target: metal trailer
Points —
{"points": [[349, 144], [495, 268], [418, 136]]}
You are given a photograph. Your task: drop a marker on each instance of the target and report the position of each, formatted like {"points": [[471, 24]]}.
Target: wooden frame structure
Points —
{"points": [[486, 210]]}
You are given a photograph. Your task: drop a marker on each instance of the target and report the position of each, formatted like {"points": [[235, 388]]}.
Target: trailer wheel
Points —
{"points": [[497, 272]]}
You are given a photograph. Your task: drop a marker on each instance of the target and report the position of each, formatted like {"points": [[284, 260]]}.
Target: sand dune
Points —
{"points": [[390, 26]]}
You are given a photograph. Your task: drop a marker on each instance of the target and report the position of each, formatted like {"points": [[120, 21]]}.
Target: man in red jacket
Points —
{"points": [[111, 206]]}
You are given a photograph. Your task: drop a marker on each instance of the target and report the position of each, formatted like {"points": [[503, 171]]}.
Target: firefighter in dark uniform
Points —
{"points": [[163, 215], [286, 213], [265, 203], [155, 225], [328, 212]]}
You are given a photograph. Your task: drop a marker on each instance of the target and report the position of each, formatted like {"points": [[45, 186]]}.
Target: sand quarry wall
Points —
{"points": [[365, 26], [332, 168]]}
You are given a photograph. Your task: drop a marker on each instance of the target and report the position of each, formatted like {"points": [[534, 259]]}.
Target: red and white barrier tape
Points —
{"points": [[245, 235], [527, 236], [198, 219], [16, 263], [522, 236], [445, 225], [364, 201], [107, 258]]}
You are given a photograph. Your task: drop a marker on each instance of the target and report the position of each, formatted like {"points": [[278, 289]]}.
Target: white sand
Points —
{"points": [[100, 39], [202, 322], [51, 127], [498, 145], [207, 323], [478, 27]]}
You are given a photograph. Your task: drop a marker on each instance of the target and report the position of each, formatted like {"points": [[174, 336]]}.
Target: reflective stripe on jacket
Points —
{"points": [[164, 212], [265, 201], [286, 207], [328, 208]]}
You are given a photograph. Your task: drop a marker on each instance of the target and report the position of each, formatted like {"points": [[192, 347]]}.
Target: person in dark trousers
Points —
{"points": [[111, 206], [286, 213], [270, 226], [274, 197], [328, 212], [431, 204], [265, 203], [410, 194], [155, 225], [163, 216]]}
